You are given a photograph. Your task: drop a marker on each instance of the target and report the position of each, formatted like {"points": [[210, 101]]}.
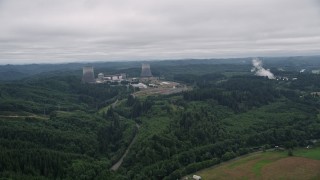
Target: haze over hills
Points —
{"points": [[15, 72]]}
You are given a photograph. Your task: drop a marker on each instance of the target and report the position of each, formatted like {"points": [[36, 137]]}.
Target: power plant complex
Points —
{"points": [[146, 83], [88, 75]]}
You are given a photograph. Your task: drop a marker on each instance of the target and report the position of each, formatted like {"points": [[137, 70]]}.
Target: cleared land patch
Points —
{"points": [[313, 153], [292, 168], [268, 165]]}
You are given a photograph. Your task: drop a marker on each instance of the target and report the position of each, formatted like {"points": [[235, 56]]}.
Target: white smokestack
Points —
{"points": [[259, 70]]}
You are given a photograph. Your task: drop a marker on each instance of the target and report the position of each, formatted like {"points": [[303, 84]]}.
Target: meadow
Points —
{"points": [[304, 164]]}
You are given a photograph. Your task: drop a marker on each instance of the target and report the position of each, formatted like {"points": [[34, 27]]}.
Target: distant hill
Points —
{"points": [[16, 72]]}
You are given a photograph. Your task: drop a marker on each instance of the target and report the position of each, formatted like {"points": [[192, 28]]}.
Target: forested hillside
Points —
{"points": [[50, 128], [54, 127], [218, 121]]}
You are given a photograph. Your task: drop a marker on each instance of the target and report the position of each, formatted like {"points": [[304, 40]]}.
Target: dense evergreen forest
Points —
{"points": [[50, 127], [54, 127]]}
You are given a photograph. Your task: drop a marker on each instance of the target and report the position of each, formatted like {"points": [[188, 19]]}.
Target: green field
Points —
{"points": [[304, 164], [309, 153]]}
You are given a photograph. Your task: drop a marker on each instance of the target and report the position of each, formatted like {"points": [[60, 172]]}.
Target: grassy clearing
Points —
{"points": [[313, 153], [304, 164], [259, 165], [242, 160]]}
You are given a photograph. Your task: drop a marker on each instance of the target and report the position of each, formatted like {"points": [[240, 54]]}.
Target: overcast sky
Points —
{"points": [[54, 31]]}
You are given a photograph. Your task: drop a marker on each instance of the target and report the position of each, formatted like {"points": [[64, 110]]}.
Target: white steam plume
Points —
{"points": [[259, 70]]}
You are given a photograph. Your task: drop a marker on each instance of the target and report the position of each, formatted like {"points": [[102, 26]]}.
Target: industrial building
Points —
{"points": [[140, 86], [111, 78], [88, 76]]}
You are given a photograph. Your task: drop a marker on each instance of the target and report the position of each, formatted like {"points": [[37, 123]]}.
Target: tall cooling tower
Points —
{"points": [[145, 70], [88, 75]]}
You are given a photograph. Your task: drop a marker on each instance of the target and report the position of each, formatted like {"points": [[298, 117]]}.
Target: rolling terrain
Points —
{"points": [[54, 127]]}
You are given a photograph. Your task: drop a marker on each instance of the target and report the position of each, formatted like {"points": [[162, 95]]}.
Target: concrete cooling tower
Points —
{"points": [[145, 70], [88, 75]]}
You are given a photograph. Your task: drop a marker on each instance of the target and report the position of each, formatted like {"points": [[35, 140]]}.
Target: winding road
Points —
{"points": [[118, 164]]}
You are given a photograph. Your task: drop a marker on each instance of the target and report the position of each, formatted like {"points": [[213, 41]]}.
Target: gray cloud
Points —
{"points": [[35, 31]]}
